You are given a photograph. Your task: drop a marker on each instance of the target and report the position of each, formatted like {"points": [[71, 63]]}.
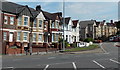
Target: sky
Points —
{"points": [[80, 10]]}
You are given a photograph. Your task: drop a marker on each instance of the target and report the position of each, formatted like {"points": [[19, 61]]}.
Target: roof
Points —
{"points": [[10, 7], [13, 8], [84, 24], [75, 22], [52, 16]]}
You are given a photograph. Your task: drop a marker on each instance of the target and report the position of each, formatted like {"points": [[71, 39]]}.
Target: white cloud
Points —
{"points": [[92, 10]]}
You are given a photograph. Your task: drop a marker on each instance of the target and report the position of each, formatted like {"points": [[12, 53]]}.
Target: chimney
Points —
{"points": [[104, 20], [111, 21], [38, 8]]}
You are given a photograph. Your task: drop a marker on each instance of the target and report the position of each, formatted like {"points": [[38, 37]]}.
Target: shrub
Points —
{"points": [[88, 40]]}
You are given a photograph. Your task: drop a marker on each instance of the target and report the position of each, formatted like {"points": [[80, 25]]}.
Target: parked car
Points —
{"points": [[97, 41]]}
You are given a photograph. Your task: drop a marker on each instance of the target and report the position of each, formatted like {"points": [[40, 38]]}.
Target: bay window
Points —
{"points": [[11, 20], [25, 35], [18, 35], [4, 35], [40, 37], [34, 36]]}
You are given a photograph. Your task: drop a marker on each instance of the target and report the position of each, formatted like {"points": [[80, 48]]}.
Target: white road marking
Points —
{"points": [[74, 65], [103, 49], [46, 67], [51, 57], [7, 67], [17, 59], [114, 61], [98, 64]]}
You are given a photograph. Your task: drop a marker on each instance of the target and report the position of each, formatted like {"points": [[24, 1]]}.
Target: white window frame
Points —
{"points": [[26, 21], [25, 36], [6, 19], [40, 38], [5, 36], [19, 21], [34, 36], [39, 23], [18, 36], [12, 20], [35, 23]]}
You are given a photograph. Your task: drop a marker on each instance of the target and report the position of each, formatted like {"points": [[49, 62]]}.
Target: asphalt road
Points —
{"points": [[108, 59]]}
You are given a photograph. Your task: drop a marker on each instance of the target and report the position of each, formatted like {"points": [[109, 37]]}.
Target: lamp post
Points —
{"points": [[63, 24]]}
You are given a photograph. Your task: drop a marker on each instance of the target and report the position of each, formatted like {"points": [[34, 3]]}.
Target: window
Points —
{"points": [[57, 37], [40, 23], [25, 36], [25, 20], [5, 19], [90, 28], [40, 37], [34, 37], [20, 21], [53, 25], [57, 25], [53, 37], [18, 35], [35, 23], [11, 20], [4, 35], [66, 37]]}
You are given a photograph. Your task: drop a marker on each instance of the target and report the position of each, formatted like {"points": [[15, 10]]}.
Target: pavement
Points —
{"points": [[106, 58]]}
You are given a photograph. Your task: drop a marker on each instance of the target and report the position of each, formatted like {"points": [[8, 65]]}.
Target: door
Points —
{"points": [[11, 37]]}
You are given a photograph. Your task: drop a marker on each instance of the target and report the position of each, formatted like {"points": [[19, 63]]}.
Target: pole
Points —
{"points": [[63, 24]]}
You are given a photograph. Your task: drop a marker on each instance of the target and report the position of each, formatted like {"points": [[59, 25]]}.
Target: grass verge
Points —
{"points": [[91, 47]]}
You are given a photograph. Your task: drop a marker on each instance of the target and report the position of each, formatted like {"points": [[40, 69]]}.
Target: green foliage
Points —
{"points": [[88, 40], [91, 47]]}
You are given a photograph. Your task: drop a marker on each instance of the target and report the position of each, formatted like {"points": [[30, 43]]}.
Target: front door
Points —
{"points": [[11, 37]]}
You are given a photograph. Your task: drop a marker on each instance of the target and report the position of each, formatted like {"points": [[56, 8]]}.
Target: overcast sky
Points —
{"points": [[81, 10]]}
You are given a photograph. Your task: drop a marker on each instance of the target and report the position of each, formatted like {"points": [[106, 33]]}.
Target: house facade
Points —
{"points": [[68, 31], [87, 29], [75, 29]]}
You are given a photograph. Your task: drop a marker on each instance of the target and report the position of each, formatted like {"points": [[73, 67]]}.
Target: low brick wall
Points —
{"points": [[13, 51]]}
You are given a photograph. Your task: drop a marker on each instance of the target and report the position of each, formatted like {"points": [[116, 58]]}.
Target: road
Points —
{"points": [[105, 60]]}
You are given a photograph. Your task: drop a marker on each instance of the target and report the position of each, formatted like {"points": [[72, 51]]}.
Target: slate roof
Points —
{"points": [[13, 8], [52, 16], [84, 24]]}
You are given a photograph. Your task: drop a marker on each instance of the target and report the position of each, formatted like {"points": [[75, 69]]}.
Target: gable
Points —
{"points": [[41, 16]]}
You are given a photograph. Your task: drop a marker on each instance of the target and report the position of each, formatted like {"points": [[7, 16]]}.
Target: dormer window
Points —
{"points": [[11, 20]]}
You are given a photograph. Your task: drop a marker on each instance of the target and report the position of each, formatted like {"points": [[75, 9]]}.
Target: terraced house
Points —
{"points": [[24, 27]]}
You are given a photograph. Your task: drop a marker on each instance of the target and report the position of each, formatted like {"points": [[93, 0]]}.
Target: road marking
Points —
{"points": [[46, 67], [51, 57], [74, 65], [114, 61], [103, 49], [98, 64], [7, 67], [17, 59]]}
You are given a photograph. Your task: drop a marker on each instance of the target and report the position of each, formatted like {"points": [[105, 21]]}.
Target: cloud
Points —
{"points": [[91, 10]]}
